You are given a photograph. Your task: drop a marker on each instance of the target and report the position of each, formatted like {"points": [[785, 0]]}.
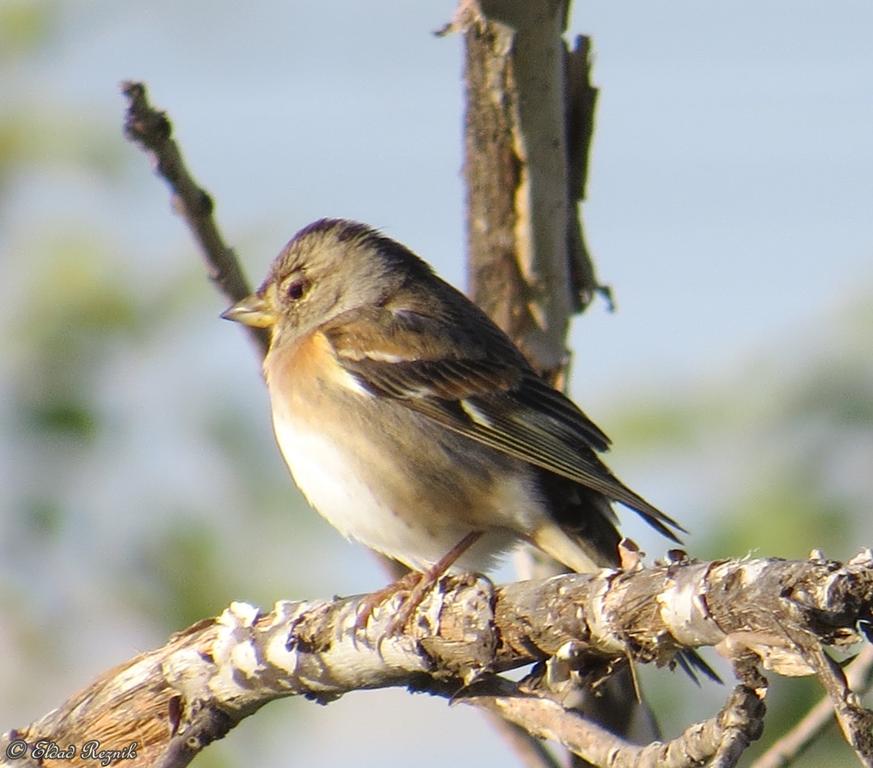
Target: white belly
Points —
{"points": [[328, 479], [333, 481]]}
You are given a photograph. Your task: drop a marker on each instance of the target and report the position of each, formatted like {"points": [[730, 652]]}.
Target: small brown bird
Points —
{"points": [[413, 423]]}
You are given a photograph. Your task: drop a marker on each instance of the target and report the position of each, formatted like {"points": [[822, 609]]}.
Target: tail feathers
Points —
{"points": [[572, 552], [692, 663], [585, 523], [580, 556], [661, 522], [582, 535]]}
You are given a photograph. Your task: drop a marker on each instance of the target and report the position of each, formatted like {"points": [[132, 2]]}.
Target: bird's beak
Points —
{"points": [[253, 311]]}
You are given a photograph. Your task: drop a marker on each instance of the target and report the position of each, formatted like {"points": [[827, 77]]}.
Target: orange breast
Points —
{"points": [[303, 375]]}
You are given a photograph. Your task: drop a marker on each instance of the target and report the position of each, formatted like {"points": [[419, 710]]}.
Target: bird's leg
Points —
{"points": [[429, 579], [416, 584]]}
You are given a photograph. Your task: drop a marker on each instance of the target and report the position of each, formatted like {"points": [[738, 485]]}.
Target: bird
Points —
{"points": [[414, 424]]}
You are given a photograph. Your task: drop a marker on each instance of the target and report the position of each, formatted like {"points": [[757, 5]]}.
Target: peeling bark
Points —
{"points": [[578, 629]]}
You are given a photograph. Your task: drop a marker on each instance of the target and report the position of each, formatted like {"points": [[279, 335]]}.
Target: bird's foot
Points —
{"points": [[405, 583], [416, 585]]}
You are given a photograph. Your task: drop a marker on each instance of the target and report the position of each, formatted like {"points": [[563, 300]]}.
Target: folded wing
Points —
{"points": [[483, 389]]}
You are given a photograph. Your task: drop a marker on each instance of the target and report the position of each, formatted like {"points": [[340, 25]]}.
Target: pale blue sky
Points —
{"points": [[731, 175]]}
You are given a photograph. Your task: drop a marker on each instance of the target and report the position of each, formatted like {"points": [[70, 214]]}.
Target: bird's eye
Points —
{"points": [[296, 288]]}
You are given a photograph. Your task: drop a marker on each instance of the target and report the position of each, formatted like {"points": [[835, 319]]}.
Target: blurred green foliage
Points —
{"points": [[190, 579], [76, 306], [33, 137], [35, 132], [25, 26]]}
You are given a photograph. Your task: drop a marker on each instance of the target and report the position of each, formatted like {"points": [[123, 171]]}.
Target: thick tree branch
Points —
{"points": [[173, 701]]}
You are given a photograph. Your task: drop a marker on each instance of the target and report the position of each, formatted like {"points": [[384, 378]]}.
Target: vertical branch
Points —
{"points": [[527, 132], [580, 102], [528, 123], [528, 127]]}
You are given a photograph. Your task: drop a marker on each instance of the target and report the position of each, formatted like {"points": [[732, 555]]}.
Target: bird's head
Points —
{"points": [[328, 268]]}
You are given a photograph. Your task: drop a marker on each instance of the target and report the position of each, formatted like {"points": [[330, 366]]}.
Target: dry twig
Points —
{"points": [[152, 130], [790, 746]]}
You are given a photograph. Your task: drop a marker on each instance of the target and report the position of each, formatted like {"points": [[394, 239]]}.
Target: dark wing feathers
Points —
{"points": [[528, 436], [487, 393], [538, 395]]}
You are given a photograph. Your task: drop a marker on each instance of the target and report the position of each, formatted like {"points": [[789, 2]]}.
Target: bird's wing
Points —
{"points": [[481, 388]]}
